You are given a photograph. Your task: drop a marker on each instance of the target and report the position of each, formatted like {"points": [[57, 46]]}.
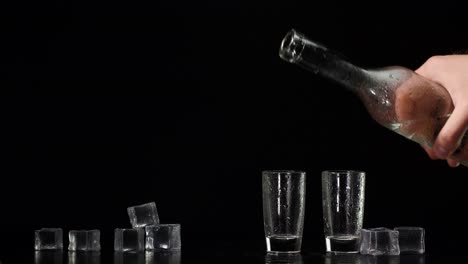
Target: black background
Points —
{"points": [[116, 103]]}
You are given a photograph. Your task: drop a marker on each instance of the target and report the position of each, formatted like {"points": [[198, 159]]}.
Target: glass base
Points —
{"points": [[283, 252], [342, 244], [283, 244]]}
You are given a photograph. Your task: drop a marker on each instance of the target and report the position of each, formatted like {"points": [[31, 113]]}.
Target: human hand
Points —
{"points": [[450, 71]]}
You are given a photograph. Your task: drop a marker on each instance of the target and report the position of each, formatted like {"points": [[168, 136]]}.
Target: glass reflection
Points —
{"points": [[77, 257], [166, 257], [48, 257], [361, 259], [129, 258], [346, 259], [413, 259], [283, 258]]}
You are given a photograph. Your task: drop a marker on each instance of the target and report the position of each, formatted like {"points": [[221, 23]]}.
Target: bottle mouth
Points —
{"points": [[291, 46]]}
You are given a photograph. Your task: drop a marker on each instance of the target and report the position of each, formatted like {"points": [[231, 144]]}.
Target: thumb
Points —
{"points": [[451, 134]]}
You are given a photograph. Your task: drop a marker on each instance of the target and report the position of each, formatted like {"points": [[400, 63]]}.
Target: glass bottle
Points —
{"points": [[396, 97]]}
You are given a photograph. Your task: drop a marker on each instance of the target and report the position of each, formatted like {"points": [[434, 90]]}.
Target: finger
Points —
{"points": [[453, 163], [431, 67], [429, 152], [451, 134]]}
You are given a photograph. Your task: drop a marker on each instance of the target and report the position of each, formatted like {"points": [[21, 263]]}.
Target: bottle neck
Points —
{"points": [[314, 57]]}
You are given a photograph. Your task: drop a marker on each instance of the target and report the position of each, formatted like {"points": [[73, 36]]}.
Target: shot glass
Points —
{"points": [[343, 209], [283, 210]]}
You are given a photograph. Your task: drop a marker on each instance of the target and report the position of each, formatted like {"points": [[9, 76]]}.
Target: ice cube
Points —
{"points": [[163, 237], [129, 240], [143, 215], [48, 239], [411, 239], [84, 240], [379, 241]]}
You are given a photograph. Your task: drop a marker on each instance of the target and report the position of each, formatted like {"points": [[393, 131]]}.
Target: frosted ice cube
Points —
{"points": [[411, 239], [129, 240], [379, 241], [143, 215], [84, 240], [163, 237], [48, 239]]}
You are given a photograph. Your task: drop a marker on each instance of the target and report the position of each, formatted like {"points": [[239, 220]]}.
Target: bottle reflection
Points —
{"points": [[283, 258], [167, 257], [48, 257], [84, 257]]}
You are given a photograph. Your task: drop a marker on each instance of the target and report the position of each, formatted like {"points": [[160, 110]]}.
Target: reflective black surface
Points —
{"points": [[59, 257], [50, 257]]}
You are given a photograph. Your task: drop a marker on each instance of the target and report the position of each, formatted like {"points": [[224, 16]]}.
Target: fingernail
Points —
{"points": [[441, 152]]}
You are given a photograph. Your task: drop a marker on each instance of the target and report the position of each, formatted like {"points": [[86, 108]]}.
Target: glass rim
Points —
{"points": [[340, 172], [292, 46], [280, 172], [162, 225], [379, 230]]}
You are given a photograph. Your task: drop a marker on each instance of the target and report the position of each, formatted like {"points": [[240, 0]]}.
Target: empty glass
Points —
{"points": [[283, 210], [343, 209]]}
